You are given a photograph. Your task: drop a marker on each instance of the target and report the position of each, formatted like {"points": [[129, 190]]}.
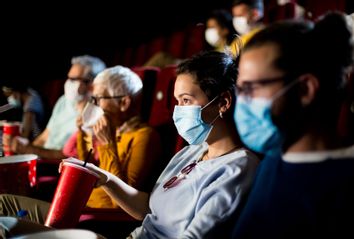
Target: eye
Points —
{"points": [[186, 101]]}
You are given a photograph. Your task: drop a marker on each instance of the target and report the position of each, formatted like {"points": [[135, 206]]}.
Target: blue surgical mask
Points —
{"points": [[13, 101], [253, 118], [254, 123], [189, 123]]}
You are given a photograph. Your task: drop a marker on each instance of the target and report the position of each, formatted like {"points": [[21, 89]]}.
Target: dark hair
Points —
{"points": [[224, 19], [255, 4], [323, 49], [14, 85], [215, 72]]}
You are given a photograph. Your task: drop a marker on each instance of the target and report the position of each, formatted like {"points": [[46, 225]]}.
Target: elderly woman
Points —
{"points": [[126, 147]]}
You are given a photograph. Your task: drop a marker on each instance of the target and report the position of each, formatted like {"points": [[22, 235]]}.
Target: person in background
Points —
{"points": [[247, 17], [206, 182], [291, 84], [21, 96], [62, 124], [125, 146], [220, 33]]}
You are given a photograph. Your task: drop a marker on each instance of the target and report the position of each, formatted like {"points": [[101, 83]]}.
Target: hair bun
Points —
{"points": [[332, 37]]}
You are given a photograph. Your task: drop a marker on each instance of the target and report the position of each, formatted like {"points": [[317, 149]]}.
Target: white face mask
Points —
{"points": [[212, 36], [71, 90], [241, 25], [90, 115]]}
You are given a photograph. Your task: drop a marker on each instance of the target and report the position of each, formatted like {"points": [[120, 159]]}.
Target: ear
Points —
{"points": [[310, 86], [255, 15], [225, 101], [125, 103]]}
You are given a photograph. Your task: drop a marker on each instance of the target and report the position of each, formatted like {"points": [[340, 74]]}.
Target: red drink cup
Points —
{"points": [[14, 172], [72, 193], [10, 130]]}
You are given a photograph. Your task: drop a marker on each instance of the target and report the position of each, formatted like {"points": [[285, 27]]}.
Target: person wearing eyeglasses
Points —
{"points": [[204, 184], [62, 123], [127, 147], [291, 85]]}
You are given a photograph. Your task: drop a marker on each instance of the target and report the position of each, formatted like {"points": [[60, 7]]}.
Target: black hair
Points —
{"points": [[215, 72], [14, 86], [323, 49], [224, 19], [255, 4]]}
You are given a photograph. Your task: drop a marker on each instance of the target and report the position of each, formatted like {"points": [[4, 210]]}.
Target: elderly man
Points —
{"points": [[62, 124]]}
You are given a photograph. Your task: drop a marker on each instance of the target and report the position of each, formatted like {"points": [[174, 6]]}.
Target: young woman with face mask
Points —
{"points": [[205, 183], [290, 89], [220, 33]]}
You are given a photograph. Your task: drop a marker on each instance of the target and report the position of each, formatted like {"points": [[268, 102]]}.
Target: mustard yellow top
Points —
{"points": [[132, 158], [239, 42]]}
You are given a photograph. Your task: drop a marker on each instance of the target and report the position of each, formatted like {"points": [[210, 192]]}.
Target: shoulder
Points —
{"points": [[60, 102], [240, 158], [34, 101], [245, 38], [145, 132]]}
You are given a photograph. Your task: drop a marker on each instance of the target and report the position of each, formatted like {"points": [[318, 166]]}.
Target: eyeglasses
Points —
{"points": [[82, 79], [96, 99], [175, 180], [248, 87]]}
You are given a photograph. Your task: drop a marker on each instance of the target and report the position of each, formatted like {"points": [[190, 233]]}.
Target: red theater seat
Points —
{"points": [[149, 76]]}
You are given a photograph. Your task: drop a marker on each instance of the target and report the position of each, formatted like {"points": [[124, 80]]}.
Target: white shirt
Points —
{"points": [[62, 123]]}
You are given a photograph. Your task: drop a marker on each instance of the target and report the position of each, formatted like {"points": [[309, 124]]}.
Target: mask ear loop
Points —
{"points": [[285, 89], [209, 102], [212, 122]]}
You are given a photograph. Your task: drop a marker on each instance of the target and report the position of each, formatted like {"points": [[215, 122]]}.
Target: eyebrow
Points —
{"points": [[183, 94]]}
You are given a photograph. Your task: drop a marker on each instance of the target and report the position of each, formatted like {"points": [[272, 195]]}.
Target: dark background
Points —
{"points": [[36, 45], [38, 39]]}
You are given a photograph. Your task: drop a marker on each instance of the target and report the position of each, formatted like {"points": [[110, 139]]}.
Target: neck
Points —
{"points": [[223, 139], [315, 142]]}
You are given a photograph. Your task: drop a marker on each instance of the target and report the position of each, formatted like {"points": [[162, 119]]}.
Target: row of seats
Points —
{"points": [[179, 44], [186, 42]]}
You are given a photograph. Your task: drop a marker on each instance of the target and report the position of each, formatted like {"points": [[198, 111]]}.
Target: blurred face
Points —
{"points": [[187, 92], [242, 10], [212, 23], [265, 98], [79, 74]]}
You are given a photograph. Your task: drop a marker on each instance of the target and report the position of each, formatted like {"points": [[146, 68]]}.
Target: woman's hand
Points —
{"points": [[103, 132], [19, 145], [103, 175]]}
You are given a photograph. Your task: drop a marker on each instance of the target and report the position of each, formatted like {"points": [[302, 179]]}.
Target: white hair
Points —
{"points": [[95, 64], [119, 80]]}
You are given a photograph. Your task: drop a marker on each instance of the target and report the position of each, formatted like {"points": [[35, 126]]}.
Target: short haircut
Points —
{"points": [[119, 80], [256, 4], [95, 64]]}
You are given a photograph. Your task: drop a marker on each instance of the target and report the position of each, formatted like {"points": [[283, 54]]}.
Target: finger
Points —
{"points": [[60, 167]]}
